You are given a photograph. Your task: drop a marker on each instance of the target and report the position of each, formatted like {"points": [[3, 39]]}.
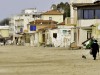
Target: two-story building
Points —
{"points": [[54, 15], [37, 31], [87, 14]]}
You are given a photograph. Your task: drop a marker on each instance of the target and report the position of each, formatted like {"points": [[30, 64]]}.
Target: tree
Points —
{"points": [[54, 7], [64, 8], [5, 21]]}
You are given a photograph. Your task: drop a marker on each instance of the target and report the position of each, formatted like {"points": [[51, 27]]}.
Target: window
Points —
{"points": [[33, 16], [88, 14], [37, 16], [26, 15], [91, 14], [54, 35], [89, 34], [97, 14], [85, 15], [64, 31], [80, 14], [50, 18]]}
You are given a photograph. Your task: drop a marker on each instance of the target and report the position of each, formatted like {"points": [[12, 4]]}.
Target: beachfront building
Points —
{"points": [[62, 36], [19, 22], [87, 14], [37, 30]]}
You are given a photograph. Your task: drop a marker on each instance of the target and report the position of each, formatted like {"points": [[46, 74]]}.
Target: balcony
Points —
{"points": [[69, 20], [88, 22]]}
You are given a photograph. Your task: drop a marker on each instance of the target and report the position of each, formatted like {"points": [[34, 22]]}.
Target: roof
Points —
{"points": [[62, 23], [53, 12], [85, 4], [43, 22], [47, 27], [69, 24]]}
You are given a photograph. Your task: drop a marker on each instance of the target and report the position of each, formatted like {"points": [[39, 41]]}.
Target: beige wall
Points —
{"points": [[82, 36], [88, 22], [81, 1], [58, 18], [24, 20], [96, 31], [40, 37], [4, 32], [73, 13]]}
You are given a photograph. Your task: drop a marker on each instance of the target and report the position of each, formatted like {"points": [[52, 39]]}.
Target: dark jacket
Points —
{"points": [[95, 47]]}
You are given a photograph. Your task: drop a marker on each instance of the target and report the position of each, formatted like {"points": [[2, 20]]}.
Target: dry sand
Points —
{"points": [[23, 60]]}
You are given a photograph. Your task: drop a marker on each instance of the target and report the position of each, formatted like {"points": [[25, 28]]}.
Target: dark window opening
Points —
{"points": [[89, 34], [43, 37], [54, 35], [33, 16]]}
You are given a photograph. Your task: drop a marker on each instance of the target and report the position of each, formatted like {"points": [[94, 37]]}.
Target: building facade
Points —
{"points": [[54, 15], [87, 14], [18, 23]]}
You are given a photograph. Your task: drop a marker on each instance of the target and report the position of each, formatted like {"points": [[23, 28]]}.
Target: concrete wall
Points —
{"points": [[4, 32], [63, 38], [82, 1], [36, 39], [82, 36], [40, 37], [58, 18], [23, 20], [88, 22]]}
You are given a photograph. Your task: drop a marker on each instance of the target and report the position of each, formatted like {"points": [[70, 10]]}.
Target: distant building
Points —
{"points": [[18, 23], [4, 34], [54, 15]]}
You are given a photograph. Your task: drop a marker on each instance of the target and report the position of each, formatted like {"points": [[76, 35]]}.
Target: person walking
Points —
{"points": [[95, 49]]}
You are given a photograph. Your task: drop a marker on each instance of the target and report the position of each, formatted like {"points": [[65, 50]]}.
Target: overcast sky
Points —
{"points": [[12, 7]]}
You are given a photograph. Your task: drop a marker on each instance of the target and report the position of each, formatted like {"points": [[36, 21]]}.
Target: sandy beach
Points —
{"points": [[24, 60]]}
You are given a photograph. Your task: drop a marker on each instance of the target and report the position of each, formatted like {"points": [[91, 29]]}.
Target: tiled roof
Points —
{"points": [[68, 24], [48, 27], [53, 12], [43, 22], [62, 23]]}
